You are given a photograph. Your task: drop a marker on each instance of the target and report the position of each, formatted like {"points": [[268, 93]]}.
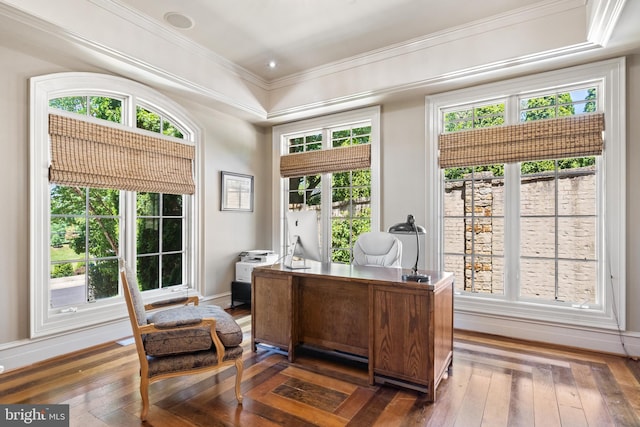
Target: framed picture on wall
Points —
{"points": [[236, 192]]}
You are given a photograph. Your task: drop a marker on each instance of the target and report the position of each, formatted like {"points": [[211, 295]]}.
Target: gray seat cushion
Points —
{"points": [[194, 339]]}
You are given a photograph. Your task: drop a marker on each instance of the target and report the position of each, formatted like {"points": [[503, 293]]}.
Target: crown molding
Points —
{"points": [[175, 38], [507, 67], [513, 18], [604, 16]]}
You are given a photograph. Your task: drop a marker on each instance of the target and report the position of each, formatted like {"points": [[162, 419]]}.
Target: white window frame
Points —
{"points": [[45, 321], [280, 147], [612, 214]]}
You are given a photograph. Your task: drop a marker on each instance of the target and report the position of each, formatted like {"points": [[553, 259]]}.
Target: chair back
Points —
{"points": [[132, 294], [377, 248]]}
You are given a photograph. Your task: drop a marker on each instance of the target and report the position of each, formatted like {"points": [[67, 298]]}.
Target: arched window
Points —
{"points": [[81, 225]]}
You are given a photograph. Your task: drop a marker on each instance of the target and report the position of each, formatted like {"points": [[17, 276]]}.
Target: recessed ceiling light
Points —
{"points": [[179, 20], [272, 64]]}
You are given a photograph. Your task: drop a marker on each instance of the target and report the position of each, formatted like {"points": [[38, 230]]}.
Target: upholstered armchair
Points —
{"points": [[377, 248], [186, 339]]}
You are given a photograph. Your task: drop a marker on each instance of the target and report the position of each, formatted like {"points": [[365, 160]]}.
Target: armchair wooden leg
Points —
{"points": [[239, 368], [144, 393]]}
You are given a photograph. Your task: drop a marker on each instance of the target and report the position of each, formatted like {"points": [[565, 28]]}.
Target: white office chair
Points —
{"points": [[377, 248]]}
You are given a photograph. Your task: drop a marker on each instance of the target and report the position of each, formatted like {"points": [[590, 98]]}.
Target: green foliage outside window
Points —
{"points": [[159, 240], [82, 216], [148, 120]]}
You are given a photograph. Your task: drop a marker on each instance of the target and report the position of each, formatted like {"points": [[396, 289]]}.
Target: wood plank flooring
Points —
{"points": [[495, 382]]}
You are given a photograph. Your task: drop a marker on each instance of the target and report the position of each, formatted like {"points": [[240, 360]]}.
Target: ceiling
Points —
{"points": [[330, 55], [304, 34]]}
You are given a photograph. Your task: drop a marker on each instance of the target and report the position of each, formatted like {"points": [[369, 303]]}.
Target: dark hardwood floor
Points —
{"points": [[495, 382]]}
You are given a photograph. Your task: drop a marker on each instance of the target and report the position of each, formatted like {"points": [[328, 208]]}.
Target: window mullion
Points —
{"points": [[512, 213], [326, 211], [129, 220], [512, 231]]}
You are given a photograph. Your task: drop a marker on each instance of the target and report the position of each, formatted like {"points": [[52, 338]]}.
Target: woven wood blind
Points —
{"points": [[87, 154], [340, 159], [573, 136]]}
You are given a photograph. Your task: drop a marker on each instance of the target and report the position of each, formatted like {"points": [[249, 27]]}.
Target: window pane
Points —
{"points": [[304, 191], [458, 120], [300, 143], [147, 120], [474, 226], [148, 204], [313, 142], [103, 279], [497, 236], [171, 129], [106, 108], [73, 104], [171, 235], [454, 229], [455, 264], [577, 281], [296, 145], [341, 256], [538, 238], [171, 205], [64, 231], [538, 278], [538, 188], [577, 238], [350, 136], [85, 224], [148, 237], [351, 210], [67, 284], [341, 239], [562, 104], [104, 202], [103, 237], [577, 182], [488, 116], [67, 200], [341, 194], [171, 270], [148, 269], [487, 274]]}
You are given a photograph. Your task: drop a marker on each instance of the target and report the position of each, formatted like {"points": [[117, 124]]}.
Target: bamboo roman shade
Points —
{"points": [[573, 136], [88, 154], [339, 159]]}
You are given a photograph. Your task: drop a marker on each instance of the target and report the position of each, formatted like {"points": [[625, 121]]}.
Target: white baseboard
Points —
{"points": [[605, 341], [18, 354], [23, 353]]}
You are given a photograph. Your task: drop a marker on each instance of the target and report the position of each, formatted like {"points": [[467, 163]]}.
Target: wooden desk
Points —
{"points": [[404, 330]]}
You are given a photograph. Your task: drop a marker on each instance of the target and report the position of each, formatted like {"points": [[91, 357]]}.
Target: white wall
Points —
{"points": [[633, 193], [235, 146], [14, 173]]}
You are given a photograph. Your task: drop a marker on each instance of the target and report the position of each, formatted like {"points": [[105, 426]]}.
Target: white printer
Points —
{"points": [[251, 259], [258, 255]]}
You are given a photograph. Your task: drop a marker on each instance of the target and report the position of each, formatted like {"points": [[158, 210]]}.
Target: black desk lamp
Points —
{"points": [[410, 227]]}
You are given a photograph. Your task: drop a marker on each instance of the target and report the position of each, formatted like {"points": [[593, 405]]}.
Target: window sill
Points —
{"points": [[539, 313]]}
